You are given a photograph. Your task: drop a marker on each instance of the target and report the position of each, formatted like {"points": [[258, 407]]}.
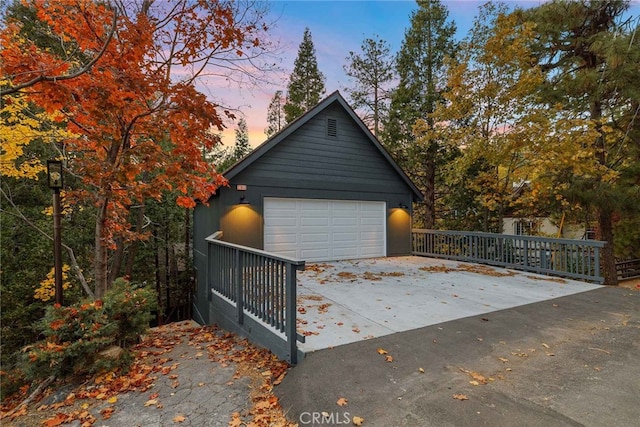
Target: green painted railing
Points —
{"points": [[576, 259]]}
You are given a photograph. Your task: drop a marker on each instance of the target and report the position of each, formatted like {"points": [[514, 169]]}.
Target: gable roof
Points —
{"points": [[335, 97]]}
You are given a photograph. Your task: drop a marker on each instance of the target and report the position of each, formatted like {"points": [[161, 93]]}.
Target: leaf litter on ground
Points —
{"points": [[262, 367]]}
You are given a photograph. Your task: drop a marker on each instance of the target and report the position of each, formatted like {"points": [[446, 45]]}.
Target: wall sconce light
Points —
{"points": [[401, 205], [244, 201]]}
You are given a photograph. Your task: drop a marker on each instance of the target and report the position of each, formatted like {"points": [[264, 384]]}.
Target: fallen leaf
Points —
{"points": [[179, 418], [421, 370], [236, 421], [106, 412], [388, 359], [474, 382], [545, 345], [356, 330], [503, 359], [341, 402], [381, 351], [113, 399], [56, 421], [357, 421], [150, 402], [460, 397]]}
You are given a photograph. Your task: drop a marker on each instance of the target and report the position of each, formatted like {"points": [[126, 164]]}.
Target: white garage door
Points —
{"points": [[324, 230]]}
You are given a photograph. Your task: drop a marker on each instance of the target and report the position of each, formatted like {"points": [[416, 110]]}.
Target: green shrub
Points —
{"points": [[75, 335], [130, 308]]}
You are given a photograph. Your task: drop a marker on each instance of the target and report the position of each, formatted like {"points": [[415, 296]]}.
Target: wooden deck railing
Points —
{"points": [[628, 269], [259, 283], [577, 259]]}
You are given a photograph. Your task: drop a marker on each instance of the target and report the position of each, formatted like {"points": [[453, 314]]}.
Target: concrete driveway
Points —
{"points": [[349, 301]]}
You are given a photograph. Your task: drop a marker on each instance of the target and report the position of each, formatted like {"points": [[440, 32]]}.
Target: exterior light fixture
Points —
{"points": [[244, 201], [401, 205], [54, 176], [54, 173]]}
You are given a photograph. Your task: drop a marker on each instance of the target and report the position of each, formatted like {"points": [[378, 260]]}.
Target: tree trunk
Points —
{"points": [[101, 251], [133, 249], [430, 193], [608, 262], [605, 217], [156, 251], [117, 258]]}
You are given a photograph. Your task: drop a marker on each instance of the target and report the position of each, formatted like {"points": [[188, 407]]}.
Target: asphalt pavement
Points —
{"points": [[569, 361]]}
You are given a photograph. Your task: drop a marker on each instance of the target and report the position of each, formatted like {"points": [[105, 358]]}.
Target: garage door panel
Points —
{"points": [[281, 238], [312, 254], [314, 221], [347, 222], [345, 253], [370, 236], [344, 237], [286, 204], [325, 230], [371, 252], [314, 238], [280, 221], [374, 222], [313, 205], [284, 252], [347, 205]]}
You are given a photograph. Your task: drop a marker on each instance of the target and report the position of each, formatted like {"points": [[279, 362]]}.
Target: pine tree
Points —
{"points": [[372, 70], [275, 114], [589, 53], [242, 147], [420, 64], [306, 83]]}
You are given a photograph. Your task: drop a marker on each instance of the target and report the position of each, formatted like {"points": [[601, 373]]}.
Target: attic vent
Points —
{"points": [[332, 128]]}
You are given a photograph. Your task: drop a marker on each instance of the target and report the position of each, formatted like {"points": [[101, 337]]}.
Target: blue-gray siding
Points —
{"points": [[309, 159]]}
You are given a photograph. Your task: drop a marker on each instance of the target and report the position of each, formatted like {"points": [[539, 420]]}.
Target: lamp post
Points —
{"points": [[54, 174]]}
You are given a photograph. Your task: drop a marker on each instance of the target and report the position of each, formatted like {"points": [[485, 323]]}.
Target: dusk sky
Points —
{"points": [[337, 27]]}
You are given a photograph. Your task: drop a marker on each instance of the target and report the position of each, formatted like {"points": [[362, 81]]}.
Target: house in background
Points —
{"points": [[322, 189], [544, 226], [541, 225]]}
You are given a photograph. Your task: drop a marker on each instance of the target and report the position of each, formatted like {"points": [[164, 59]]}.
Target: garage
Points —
{"points": [[324, 230]]}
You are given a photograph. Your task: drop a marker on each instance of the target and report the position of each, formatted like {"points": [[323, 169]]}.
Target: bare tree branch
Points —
{"points": [[74, 261]]}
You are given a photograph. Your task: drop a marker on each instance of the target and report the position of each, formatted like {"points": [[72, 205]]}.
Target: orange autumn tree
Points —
{"points": [[141, 125]]}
